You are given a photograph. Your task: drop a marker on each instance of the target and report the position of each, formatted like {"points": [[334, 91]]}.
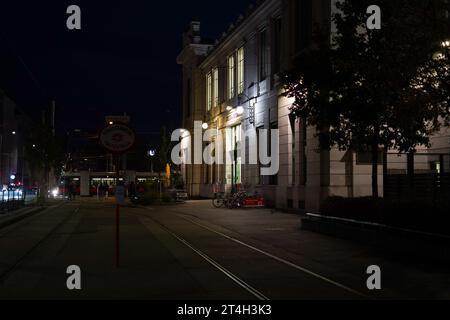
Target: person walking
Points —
{"points": [[132, 190], [106, 190], [71, 191]]}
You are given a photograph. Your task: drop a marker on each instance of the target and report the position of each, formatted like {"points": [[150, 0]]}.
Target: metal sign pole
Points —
{"points": [[117, 214], [117, 139]]}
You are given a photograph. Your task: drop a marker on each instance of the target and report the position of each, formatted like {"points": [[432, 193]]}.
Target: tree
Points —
{"points": [[375, 89], [44, 154], [164, 149], [164, 154]]}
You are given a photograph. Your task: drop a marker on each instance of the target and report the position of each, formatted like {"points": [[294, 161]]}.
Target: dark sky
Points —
{"points": [[123, 59]]}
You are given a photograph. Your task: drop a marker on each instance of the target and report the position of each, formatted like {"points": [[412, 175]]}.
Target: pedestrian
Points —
{"points": [[74, 191], [71, 191], [132, 190], [106, 190], [120, 193]]}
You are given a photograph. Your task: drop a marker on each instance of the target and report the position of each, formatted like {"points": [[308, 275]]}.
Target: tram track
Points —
{"points": [[258, 251], [9, 270]]}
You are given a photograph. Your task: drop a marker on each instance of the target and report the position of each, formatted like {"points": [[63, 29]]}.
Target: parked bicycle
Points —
{"points": [[219, 200], [231, 201], [236, 200]]}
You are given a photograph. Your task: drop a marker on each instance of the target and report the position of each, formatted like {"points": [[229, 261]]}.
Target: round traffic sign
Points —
{"points": [[117, 138]]}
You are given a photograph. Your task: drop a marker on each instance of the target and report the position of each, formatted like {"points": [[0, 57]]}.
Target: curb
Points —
{"points": [[18, 216], [398, 241]]}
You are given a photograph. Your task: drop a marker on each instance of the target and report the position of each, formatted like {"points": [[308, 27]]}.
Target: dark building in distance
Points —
{"points": [[14, 129]]}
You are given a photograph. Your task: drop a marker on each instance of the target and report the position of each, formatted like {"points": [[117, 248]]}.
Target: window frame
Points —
{"points": [[215, 87], [231, 66], [209, 97], [240, 70]]}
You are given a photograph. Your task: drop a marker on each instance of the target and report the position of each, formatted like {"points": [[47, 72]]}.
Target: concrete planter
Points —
{"points": [[399, 241]]}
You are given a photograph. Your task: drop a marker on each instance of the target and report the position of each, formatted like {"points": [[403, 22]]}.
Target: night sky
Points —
{"points": [[123, 59]]}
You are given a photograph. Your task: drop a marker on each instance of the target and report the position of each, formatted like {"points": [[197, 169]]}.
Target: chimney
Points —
{"points": [[192, 34]]}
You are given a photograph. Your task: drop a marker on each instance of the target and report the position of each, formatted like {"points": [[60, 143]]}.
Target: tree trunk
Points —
{"points": [[375, 152], [42, 188]]}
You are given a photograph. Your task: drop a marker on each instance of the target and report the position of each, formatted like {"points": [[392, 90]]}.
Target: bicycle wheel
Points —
{"points": [[230, 203], [218, 202]]}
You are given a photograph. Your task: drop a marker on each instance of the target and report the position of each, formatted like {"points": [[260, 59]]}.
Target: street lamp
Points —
{"points": [[240, 109], [151, 153], [205, 126], [251, 108], [13, 132]]}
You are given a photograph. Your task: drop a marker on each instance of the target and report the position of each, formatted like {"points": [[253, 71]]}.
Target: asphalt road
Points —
{"points": [[194, 251]]}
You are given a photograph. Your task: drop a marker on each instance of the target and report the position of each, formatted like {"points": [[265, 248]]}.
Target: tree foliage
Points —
{"points": [[376, 88], [43, 153]]}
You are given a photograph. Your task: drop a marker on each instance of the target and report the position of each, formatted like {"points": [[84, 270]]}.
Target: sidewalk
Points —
{"points": [[17, 215], [281, 234], [14, 216]]}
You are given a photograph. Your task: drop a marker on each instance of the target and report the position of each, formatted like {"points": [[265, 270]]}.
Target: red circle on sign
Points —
{"points": [[117, 138]]}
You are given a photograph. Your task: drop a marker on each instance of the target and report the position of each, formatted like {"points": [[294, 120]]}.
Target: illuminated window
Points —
{"points": [[216, 87], [231, 75], [209, 100], [238, 160], [234, 171], [240, 70]]}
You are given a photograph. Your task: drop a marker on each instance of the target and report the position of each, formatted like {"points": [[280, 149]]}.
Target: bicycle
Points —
{"points": [[219, 200], [236, 200]]}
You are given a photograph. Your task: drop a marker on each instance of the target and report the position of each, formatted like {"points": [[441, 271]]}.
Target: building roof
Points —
{"points": [[252, 8]]}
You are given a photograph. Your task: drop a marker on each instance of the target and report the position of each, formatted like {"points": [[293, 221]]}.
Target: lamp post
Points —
{"points": [[240, 109], [151, 153]]}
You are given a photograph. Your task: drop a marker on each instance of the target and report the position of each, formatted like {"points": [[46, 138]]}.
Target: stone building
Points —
{"points": [[9, 148], [233, 86]]}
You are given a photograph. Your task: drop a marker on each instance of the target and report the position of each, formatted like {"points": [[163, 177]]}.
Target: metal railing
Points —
{"points": [[17, 198]]}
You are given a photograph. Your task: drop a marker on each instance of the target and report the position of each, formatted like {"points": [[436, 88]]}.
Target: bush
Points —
{"points": [[167, 198], [148, 198], [418, 215], [153, 198]]}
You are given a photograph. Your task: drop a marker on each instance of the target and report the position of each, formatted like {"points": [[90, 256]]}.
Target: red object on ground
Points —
{"points": [[254, 202]]}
